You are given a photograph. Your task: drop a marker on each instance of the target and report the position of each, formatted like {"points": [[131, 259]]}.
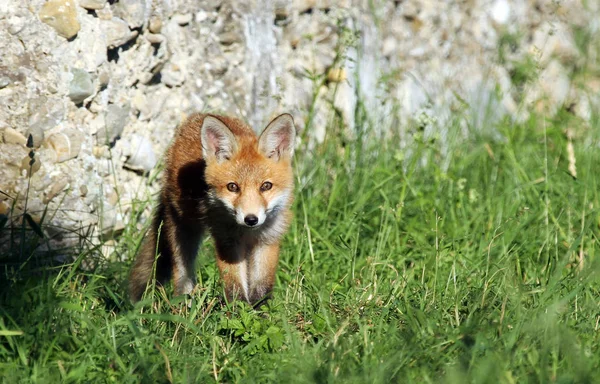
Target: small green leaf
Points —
{"points": [[71, 306], [6, 332]]}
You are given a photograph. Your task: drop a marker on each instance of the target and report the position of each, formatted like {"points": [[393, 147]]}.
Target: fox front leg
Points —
{"points": [[184, 243], [262, 267]]}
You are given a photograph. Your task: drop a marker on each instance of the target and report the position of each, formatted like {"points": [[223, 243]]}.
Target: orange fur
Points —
{"points": [[196, 199]]}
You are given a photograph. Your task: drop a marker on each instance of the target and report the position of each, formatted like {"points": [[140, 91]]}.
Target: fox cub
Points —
{"points": [[220, 178]]}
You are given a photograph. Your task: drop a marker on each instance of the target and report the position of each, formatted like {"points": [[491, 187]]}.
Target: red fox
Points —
{"points": [[221, 179]]}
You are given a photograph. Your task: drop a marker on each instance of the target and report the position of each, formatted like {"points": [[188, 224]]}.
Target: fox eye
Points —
{"points": [[266, 186], [233, 187]]}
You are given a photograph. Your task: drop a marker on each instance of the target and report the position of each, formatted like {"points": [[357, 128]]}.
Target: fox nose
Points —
{"points": [[251, 220]]}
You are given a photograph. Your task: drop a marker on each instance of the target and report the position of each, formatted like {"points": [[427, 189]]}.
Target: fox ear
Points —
{"points": [[277, 140], [217, 140]]}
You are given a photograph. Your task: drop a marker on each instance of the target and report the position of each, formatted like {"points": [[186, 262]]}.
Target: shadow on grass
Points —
{"points": [[47, 264]]}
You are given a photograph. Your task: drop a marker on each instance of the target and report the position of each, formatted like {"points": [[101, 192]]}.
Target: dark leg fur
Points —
{"points": [[183, 238], [177, 249]]}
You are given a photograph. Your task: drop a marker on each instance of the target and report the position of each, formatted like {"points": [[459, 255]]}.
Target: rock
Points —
{"points": [[154, 38], [12, 136], [500, 11], [337, 75], [30, 164], [140, 103], [96, 124], [11, 154], [303, 5], [410, 9], [88, 50], [282, 11], [389, 47], [213, 4], [115, 119], [141, 156], [112, 224], [555, 84], [41, 180], [4, 82], [172, 75], [46, 113], [155, 24], [103, 78], [215, 103], [16, 24], [219, 66], [555, 41], [62, 16], [200, 16], [104, 13], [10, 158], [117, 32], [345, 103], [231, 37], [101, 151], [56, 188], [132, 11], [92, 4], [66, 144], [81, 86], [182, 19]]}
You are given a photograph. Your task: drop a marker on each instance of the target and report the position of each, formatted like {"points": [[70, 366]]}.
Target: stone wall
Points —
{"points": [[100, 85]]}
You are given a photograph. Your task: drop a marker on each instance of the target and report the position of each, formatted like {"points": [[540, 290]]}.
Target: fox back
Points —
{"points": [[220, 178]]}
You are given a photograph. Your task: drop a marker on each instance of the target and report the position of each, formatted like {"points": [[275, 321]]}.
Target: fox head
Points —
{"points": [[251, 177]]}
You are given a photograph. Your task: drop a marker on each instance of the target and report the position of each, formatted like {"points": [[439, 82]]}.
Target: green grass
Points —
{"points": [[394, 270]]}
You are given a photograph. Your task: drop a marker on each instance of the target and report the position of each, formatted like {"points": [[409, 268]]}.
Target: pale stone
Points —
{"points": [[182, 19], [141, 156], [12, 136], [116, 118], [46, 113], [172, 75], [88, 50], [555, 83], [92, 4], [30, 165], [16, 24], [57, 187], [103, 78], [155, 24], [62, 16], [201, 16], [500, 11], [4, 82], [229, 38], [81, 86], [104, 13], [154, 38], [337, 75], [303, 5], [117, 32], [132, 11], [66, 144]]}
